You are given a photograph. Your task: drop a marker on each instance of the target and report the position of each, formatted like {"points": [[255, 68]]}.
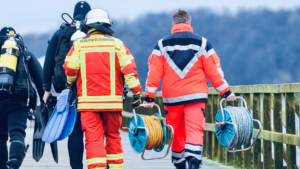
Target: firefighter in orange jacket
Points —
{"points": [[97, 63], [184, 60]]}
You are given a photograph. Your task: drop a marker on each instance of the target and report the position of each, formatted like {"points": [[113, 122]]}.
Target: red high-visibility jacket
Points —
{"points": [[97, 64], [184, 60]]}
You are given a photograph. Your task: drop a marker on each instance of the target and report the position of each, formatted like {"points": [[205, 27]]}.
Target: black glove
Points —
{"points": [[125, 91], [136, 100]]}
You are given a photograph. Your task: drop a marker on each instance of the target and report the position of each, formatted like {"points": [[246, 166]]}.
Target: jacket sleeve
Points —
{"points": [[155, 74], [72, 63], [213, 70], [49, 63], [128, 69], [35, 70]]}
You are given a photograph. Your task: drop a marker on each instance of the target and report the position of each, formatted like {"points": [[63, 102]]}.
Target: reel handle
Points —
{"points": [[143, 105], [221, 106]]}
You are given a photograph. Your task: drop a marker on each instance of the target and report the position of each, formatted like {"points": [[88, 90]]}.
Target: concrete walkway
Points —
{"points": [[132, 160]]}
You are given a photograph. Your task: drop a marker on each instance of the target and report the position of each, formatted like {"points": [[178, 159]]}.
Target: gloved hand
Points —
{"points": [[136, 100], [69, 85]]}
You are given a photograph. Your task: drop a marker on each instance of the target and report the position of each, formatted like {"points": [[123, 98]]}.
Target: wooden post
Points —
{"points": [[290, 129], [257, 145], [215, 143], [208, 118], [247, 154], [238, 159], [230, 156], [267, 145], [277, 121]]}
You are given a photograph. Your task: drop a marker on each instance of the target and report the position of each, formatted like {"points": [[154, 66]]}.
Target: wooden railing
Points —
{"points": [[276, 106]]}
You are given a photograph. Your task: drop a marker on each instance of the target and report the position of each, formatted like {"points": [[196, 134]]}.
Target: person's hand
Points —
{"points": [[46, 96], [148, 104], [136, 100], [231, 97]]}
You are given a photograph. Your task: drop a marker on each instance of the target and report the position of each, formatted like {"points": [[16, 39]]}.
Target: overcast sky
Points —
{"points": [[29, 16]]}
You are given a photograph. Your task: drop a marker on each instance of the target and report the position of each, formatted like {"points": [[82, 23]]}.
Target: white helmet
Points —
{"points": [[97, 16]]}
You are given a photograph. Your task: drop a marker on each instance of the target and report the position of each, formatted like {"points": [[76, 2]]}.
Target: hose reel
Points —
{"points": [[146, 134], [234, 127]]}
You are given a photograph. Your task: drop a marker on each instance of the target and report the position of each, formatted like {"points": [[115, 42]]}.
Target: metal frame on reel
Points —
{"points": [[147, 134], [235, 127]]}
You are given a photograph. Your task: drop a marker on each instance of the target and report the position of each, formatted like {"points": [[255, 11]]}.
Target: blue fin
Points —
{"points": [[58, 119], [71, 120]]}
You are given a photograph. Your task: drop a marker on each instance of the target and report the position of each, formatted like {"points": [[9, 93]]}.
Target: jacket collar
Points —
{"points": [[94, 31], [182, 27]]}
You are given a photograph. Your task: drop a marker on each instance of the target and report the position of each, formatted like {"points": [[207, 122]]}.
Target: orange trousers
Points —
{"points": [[96, 125], [188, 121]]}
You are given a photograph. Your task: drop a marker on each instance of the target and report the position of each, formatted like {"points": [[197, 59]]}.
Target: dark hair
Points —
{"points": [[181, 16]]}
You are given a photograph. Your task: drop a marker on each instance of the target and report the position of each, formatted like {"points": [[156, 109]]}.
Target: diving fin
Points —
{"points": [[58, 119], [51, 102], [72, 116], [38, 144]]}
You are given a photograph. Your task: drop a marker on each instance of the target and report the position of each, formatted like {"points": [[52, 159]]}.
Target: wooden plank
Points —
{"points": [[278, 147], [290, 128], [267, 145], [208, 118], [282, 88], [238, 158], [215, 143], [257, 145], [247, 154]]}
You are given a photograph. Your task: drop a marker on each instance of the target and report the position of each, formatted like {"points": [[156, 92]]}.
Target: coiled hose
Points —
{"points": [[242, 118], [153, 124]]}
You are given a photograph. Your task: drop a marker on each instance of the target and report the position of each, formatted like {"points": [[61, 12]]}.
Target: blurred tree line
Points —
{"points": [[255, 47]]}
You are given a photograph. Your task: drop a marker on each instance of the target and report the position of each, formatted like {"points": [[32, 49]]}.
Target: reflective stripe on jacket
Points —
{"points": [[184, 60], [98, 63]]}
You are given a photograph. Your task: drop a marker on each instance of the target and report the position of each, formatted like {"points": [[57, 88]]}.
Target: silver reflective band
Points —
{"points": [[133, 83], [193, 147], [151, 89], [209, 53], [156, 52], [185, 98], [181, 48], [223, 87], [71, 59], [98, 49], [177, 155]]}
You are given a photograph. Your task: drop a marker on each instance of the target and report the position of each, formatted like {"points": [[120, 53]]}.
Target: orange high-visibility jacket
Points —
{"points": [[98, 63], [184, 60]]}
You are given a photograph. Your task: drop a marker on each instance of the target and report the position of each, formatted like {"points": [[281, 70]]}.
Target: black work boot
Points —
{"points": [[181, 166], [194, 163], [16, 154]]}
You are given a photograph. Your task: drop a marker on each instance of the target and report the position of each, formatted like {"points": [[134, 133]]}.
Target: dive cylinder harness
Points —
{"points": [[12, 50]]}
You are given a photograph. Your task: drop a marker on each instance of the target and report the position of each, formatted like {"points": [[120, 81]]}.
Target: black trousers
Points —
{"points": [[13, 118], [76, 145]]}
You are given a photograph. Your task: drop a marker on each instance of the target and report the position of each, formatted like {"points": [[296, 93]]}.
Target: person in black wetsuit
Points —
{"points": [[54, 73], [14, 107]]}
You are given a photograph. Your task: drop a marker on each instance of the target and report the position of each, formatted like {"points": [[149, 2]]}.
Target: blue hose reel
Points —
{"points": [[234, 127], [139, 134]]}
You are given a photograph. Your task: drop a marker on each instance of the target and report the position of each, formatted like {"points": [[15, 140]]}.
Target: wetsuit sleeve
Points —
{"points": [[155, 74], [72, 63], [213, 70], [49, 63], [128, 69], [35, 70]]}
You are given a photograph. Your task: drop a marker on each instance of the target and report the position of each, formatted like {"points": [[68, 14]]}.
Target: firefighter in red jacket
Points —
{"points": [[98, 63], [184, 60]]}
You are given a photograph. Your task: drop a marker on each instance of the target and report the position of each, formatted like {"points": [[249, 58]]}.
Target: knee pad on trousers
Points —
{"points": [[16, 154]]}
